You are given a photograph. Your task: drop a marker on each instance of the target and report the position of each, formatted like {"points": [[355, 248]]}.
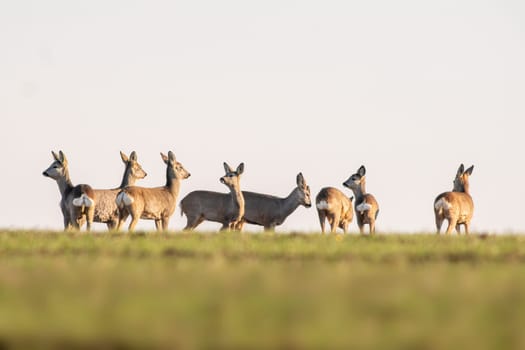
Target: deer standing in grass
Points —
{"points": [[77, 202], [365, 204], [335, 206], [457, 206], [270, 211], [214, 206], [156, 203], [106, 210]]}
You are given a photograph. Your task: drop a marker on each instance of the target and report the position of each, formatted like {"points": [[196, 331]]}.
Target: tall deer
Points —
{"points": [[457, 206], [335, 206], [214, 206], [106, 210], [156, 203], [365, 204], [77, 202], [270, 211]]}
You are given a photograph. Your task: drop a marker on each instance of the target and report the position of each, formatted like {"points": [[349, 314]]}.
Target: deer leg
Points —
{"points": [[134, 221], [269, 228], [165, 222], [193, 221], [89, 217], [372, 226], [467, 225], [458, 228], [439, 222], [123, 214], [111, 225], [335, 223], [322, 217], [451, 225]]}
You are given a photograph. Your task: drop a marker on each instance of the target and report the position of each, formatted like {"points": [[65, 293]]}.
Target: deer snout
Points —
{"points": [[222, 180], [45, 173]]}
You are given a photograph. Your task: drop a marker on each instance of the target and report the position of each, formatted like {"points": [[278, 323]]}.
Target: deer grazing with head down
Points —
{"points": [[157, 203], [77, 202], [106, 210], [366, 206], [335, 206], [214, 206], [457, 206], [270, 211]]}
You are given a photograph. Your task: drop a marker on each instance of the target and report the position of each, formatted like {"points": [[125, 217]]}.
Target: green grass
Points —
{"points": [[261, 291]]}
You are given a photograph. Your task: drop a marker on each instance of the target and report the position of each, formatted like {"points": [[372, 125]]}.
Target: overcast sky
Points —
{"points": [[410, 89]]}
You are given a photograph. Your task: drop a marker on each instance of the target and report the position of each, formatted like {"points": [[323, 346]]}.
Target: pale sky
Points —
{"points": [[410, 89]]}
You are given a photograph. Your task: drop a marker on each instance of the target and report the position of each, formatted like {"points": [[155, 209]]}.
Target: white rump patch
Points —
{"points": [[83, 201], [124, 199], [442, 204], [363, 207], [322, 205]]}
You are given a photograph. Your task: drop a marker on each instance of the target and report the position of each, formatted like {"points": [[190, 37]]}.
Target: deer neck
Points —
{"points": [[290, 203], [64, 183], [466, 188], [360, 191], [172, 182], [237, 200], [128, 179]]}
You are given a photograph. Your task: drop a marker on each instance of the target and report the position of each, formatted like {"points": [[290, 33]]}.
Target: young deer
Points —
{"points": [[335, 206], [366, 206], [156, 203], [77, 202], [214, 206], [106, 210], [270, 211], [456, 206]]}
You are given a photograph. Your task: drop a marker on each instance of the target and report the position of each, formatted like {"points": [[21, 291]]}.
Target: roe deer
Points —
{"points": [[156, 203], [456, 206], [366, 206], [106, 210], [270, 211], [335, 206], [214, 206], [77, 202]]}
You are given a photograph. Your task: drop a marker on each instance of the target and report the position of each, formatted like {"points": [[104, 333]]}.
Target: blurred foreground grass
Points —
{"points": [[261, 291]]}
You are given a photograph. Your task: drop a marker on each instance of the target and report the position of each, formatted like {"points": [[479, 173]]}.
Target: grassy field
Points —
{"points": [[261, 291]]}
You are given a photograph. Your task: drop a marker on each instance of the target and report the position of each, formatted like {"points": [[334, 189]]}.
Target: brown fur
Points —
{"points": [[365, 204], [106, 210], [156, 203], [74, 217], [338, 209], [227, 209], [457, 206]]}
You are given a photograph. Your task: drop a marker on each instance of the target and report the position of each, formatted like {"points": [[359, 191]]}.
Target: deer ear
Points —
{"points": [[164, 157], [56, 156], [63, 158], [171, 156], [361, 171], [124, 157], [461, 169], [227, 168], [240, 169], [469, 170], [133, 156], [300, 180]]}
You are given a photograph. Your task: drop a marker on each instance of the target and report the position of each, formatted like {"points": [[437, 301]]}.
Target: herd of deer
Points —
{"points": [[82, 204]]}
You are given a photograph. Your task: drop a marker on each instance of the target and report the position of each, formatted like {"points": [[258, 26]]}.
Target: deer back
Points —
{"points": [[332, 201]]}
